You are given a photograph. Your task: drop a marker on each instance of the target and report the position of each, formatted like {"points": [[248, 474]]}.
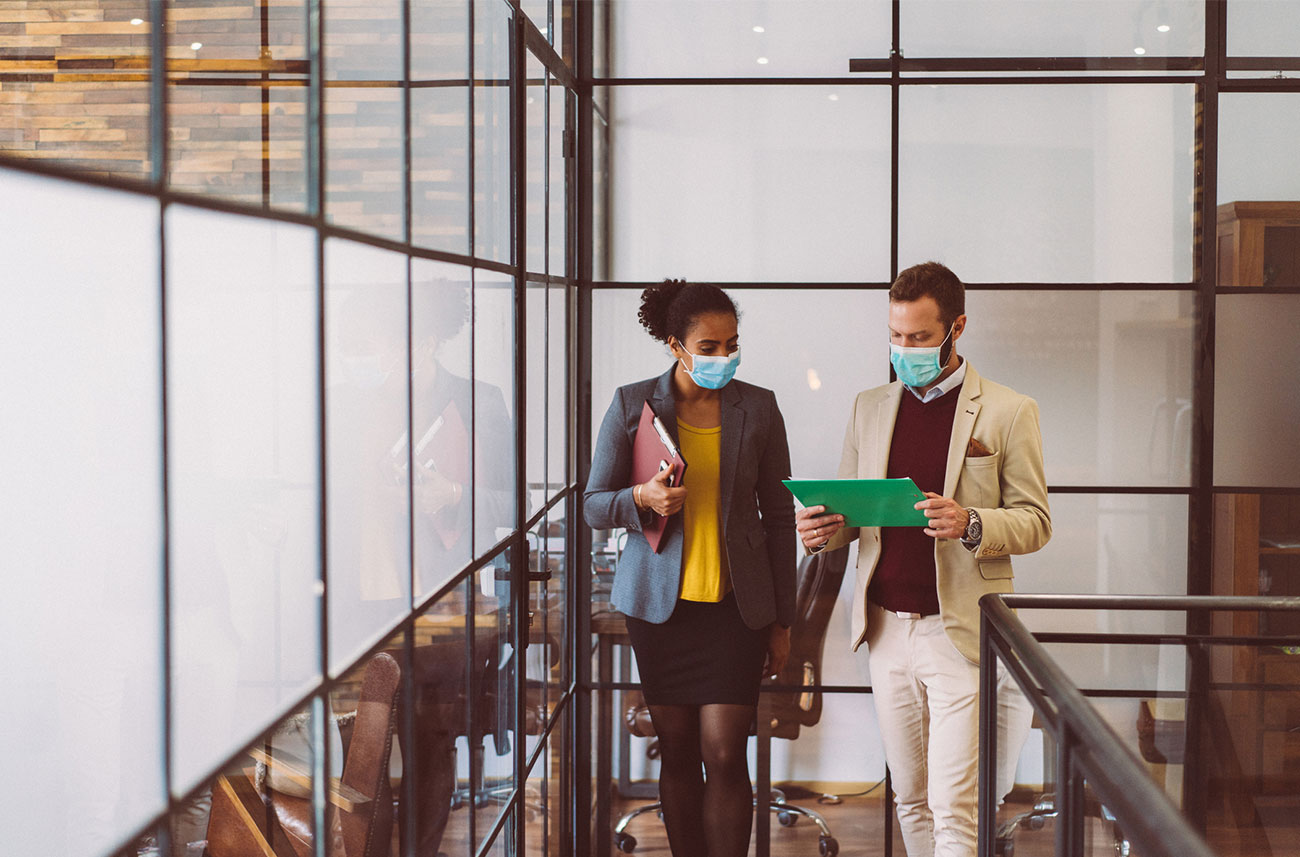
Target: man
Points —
{"points": [[974, 448]]}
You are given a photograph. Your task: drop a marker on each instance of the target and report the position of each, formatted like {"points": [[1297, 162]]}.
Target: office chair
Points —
{"points": [[252, 818], [817, 587]]}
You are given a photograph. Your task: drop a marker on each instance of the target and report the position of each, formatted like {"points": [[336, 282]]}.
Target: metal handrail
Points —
{"points": [[1146, 814]]}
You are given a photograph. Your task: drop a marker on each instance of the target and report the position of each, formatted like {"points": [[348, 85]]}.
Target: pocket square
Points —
{"points": [[975, 449]]}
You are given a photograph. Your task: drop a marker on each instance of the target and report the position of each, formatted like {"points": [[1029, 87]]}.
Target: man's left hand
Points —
{"points": [[947, 519]]}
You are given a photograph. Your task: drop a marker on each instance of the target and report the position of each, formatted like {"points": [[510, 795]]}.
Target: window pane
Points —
{"points": [[808, 345], [535, 162], [367, 480], [600, 197], [1256, 410], [237, 102], [1111, 371], [76, 89], [557, 194], [747, 38], [492, 130], [440, 125], [535, 430], [243, 478], [1254, 127], [1262, 28], [751, 183], [444, 687], [494, 405], [1061, 28], [363, 123], [1048, 183], [442, 415], [498, 670], [81, 362], [557, 387]]}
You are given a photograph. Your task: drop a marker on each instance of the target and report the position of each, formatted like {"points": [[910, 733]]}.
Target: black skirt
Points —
{"points": [[704, 654]]}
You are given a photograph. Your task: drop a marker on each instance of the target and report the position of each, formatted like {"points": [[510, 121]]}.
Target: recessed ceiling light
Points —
{"points": [[1163, 28], [762, 60], [194, 46], [1139, 51], [833, 97], [758, 28], [135, 22]]}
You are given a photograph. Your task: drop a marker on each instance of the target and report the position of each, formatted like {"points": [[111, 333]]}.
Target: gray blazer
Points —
{"points": [[757, 510]]}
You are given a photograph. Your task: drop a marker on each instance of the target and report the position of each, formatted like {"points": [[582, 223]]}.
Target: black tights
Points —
{"points": [[715, 737]]}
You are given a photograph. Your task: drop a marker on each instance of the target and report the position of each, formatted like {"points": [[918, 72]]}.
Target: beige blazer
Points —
{"points": [[1007, 488]]}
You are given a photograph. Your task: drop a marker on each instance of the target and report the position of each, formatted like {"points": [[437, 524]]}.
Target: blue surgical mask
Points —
{"points": [[917, 367], [713, 373]]}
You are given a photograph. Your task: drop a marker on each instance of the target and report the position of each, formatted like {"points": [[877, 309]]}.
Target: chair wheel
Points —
{"points": [[827, 846], [1036, 822], [787, 819], [625, 842], [1004, 847]]}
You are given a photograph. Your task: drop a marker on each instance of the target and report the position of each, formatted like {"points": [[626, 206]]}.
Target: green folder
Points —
{"points": [[864, 502]]}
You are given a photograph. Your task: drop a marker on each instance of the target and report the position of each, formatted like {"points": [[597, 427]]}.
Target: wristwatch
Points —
{"points": [[974, 529]]}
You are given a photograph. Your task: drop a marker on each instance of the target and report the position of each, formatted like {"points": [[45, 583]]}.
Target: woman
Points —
{"points": [[709, 614]]}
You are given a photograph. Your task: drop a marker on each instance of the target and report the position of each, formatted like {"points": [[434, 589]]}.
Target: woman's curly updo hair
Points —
{"points": [[671, 308]]}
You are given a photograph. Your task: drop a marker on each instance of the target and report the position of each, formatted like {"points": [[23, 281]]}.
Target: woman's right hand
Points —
{"points": [[660, 497], [814, 527]]}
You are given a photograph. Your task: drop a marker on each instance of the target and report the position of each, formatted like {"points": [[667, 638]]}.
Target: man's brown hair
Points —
{"points": [[931, 279]]}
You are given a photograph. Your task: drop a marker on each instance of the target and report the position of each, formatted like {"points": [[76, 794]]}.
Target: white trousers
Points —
{"points": [[927, 704]]}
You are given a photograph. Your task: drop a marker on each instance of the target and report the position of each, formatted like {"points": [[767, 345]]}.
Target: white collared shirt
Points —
{"points": [[947, 385]]}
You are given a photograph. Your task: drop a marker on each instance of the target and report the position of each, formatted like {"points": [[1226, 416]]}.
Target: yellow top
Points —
{"points": [[705, 575]]}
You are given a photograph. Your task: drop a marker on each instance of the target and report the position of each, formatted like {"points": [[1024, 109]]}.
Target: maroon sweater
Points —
{"points": [[905, 574]]}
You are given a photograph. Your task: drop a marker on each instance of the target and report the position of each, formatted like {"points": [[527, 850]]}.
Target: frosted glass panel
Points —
{"points": [[1255, 128], [1062, 28], [557, 195], [442, 414], [751, 183], [494, 407], [535, 169], [535, 442], [1263, 28], [1112, 373], [368, 508], [814, 347], [1256, 409], [243, 478], [1109, 544], [1048, 183], [557, 388], [746, 38], [81, 546], [492, 188]]}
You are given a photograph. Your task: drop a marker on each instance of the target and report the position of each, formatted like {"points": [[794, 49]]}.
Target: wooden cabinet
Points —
{"points": [[1259, 244]]}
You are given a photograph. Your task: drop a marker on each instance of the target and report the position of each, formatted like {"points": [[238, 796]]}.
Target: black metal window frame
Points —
{"points": [[526, 39]]}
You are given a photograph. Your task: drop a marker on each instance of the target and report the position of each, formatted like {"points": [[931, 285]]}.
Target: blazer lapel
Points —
{"points": [[963, 424], [886, 416], [664, 406], [733, 434]]}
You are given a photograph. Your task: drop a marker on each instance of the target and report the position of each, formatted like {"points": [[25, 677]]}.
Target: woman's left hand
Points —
{"points": [[778, 649]]}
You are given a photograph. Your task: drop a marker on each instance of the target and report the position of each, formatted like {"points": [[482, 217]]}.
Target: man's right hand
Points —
{"points": [[660, 497], [815, 527]]}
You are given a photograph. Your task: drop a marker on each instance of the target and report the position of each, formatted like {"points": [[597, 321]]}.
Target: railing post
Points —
{"points": [[988, 738], [1069, 797]]}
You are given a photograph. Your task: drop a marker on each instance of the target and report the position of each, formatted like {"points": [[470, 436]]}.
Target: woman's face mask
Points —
{"points": [[712, 372]]}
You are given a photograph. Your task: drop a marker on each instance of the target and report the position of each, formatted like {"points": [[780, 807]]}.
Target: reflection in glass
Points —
{"points": [[237, 103], [1115, 394], [1052, 28], [367, 507], [492, 190], [746, 38], [790, 170], [440, 124], [1253, 128], [1048, 183], [499, 668], [1256, 411], [451, 674], [442, 416], [82, 544], [243, 477], [364, 187], [494, 429], [75, 95]]}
